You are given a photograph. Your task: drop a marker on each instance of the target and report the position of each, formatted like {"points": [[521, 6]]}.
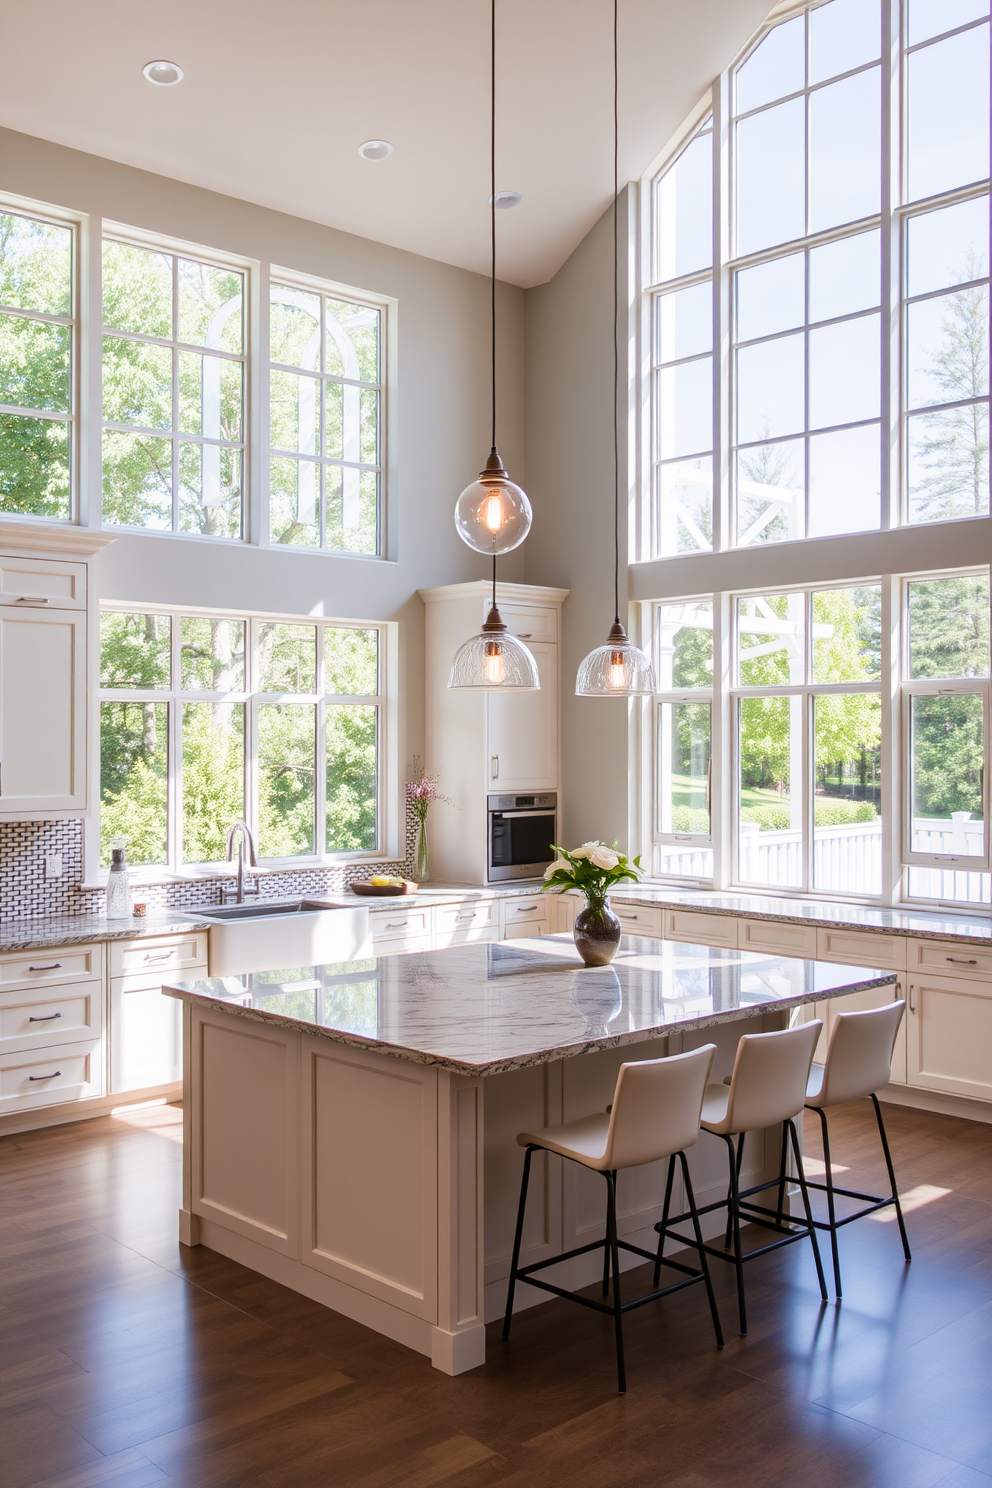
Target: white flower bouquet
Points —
{"points": [[593, 869]]}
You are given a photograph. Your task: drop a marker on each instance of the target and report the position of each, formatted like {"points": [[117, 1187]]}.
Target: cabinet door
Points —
{"points": [[42, 711], [146, 1039], [522, 730], [949, 1036]]}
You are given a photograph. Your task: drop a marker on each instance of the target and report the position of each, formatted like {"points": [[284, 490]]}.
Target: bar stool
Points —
{"points": [[768, 1086], [858, 1062], [654, 1114]]}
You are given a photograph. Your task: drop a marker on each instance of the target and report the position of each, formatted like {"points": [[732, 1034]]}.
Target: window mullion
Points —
{"points": [[722, 322]]}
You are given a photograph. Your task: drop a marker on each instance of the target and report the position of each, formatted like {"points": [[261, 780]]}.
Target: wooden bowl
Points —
{"points": [[384, 891]]}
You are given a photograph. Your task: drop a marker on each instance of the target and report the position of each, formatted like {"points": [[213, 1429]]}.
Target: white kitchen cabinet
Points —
{"points": [[146, 1044], [522, 730], [46, 611], [42, 711], [949, 1035], [487, 743]]}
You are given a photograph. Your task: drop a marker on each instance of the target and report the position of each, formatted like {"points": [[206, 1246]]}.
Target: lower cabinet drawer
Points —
{"points": [[524, 929], [777, 939], [57, 1015], [382, 946], [700, 929], [142, 958], [861, 948], [639, 919], [146, 1037], [469, 916], [948, 958], [48, 1077], [533, 909], [57, 966], [398, 924]]}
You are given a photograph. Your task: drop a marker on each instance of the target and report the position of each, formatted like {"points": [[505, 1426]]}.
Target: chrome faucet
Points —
{"points": [[242, 832]]}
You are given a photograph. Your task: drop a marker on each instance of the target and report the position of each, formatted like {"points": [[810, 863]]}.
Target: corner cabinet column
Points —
{"points": [[480, 742], [46, 606]]}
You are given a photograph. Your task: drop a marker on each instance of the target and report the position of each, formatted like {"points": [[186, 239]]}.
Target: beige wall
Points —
{"points": [[569, 461]]}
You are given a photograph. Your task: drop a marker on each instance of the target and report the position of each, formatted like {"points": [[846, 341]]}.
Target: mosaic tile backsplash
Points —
{"points": [[25, 892]]}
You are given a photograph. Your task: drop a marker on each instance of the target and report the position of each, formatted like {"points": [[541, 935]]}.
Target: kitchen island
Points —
{"points": [[350, 1129]]}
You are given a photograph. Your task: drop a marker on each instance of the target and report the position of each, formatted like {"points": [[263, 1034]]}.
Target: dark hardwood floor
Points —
{"points": [[126, 1360]]}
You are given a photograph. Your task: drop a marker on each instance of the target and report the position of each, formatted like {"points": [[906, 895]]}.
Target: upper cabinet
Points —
{"points": [[45, 616], [482, 742]]}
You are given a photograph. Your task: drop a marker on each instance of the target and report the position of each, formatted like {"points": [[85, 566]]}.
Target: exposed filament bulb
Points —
{"points": [[493, 663], [493, 517], [617, 671]]}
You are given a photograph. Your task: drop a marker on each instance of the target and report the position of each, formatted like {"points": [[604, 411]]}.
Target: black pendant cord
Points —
{"points": [[494, 581], [616, 312], [492, 193]]}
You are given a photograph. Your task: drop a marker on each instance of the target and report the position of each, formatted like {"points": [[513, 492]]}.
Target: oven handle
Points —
{"points": [[547, 811]]}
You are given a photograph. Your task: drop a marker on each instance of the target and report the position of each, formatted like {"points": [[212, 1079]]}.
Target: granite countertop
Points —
{"points": [[485, 1009], [58, 930]]}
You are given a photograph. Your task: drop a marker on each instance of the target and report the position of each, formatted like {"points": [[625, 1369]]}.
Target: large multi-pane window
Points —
{"points": [[206, 718], [324, 421], [848, 294], [173, 392], [37, 367], [819, 680]]}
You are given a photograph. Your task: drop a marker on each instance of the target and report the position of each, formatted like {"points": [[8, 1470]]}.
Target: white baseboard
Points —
{"points": [[85, 1110], [936, 1101]]}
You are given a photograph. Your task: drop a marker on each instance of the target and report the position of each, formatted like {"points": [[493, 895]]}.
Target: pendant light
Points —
{"points": [[618, 669], [492, 514]]}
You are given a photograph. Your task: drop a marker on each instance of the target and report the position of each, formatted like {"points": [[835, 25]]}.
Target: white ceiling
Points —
{"points": [[278, 97]]}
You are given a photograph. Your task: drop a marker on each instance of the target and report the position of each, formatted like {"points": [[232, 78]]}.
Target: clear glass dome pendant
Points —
{"points": [[618, 669], [494, 659], [493, 515]]}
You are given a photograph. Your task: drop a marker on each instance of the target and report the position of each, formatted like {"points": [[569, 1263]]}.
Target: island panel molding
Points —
{"points": [[394, 1203]]}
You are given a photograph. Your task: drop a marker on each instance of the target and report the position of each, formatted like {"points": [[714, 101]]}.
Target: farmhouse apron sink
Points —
{"points": [[270, 935]]}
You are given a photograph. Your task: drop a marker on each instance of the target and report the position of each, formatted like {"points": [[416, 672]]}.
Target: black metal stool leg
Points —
{"points": [[518, 1236], [892, 1178], [739, 1160], [782, 1175], [614, 1252], [734, 1223], [831, 1210], [666, 1210], [697, 1230], [801, 1173]]}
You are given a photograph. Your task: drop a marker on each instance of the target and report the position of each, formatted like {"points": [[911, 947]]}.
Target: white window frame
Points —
{"points": [[23, 206], [157, 243], [389, 816], [387, 306]]}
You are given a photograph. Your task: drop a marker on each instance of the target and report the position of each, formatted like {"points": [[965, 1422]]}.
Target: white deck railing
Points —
{"points": [[846, 859]]}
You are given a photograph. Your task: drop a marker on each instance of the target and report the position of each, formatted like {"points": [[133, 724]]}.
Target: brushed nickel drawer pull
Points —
{"points": [[38, 599], [962, 961], [53, 1076], [50, 966], [47, 1018], [157, 955], [396, 924]]}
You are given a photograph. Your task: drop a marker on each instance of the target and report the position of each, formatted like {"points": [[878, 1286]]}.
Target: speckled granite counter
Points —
{"points": [[485, 1009], [976, 929], [58, 930]]}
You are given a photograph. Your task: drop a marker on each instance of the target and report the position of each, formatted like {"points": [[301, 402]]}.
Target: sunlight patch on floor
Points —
{"points": [[923, 1193], [157, 1117]]}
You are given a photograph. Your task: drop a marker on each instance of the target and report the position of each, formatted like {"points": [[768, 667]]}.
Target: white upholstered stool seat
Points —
{"points": [[654, 1115], [858, 1063], [767, 1087]]}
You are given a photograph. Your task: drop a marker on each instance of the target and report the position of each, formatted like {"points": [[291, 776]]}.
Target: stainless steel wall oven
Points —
{"points": [[521, 831]]}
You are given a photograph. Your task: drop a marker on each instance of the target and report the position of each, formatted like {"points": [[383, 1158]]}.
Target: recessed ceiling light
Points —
{"points": [[506, 199], [164, 74], [375, 150]]}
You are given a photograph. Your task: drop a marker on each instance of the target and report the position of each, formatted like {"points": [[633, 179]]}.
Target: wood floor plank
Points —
{"points": [[127, 1360]]}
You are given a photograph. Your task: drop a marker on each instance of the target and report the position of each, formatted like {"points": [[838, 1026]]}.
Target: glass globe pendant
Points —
{"points": [[493, 515], [494, 659], [618, 669]]}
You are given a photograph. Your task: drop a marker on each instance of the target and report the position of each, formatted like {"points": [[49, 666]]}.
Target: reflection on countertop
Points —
{"points": [[485, 1008]]}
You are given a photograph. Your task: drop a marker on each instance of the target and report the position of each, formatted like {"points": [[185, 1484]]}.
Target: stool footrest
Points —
{"points": [[524, 1273]]}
